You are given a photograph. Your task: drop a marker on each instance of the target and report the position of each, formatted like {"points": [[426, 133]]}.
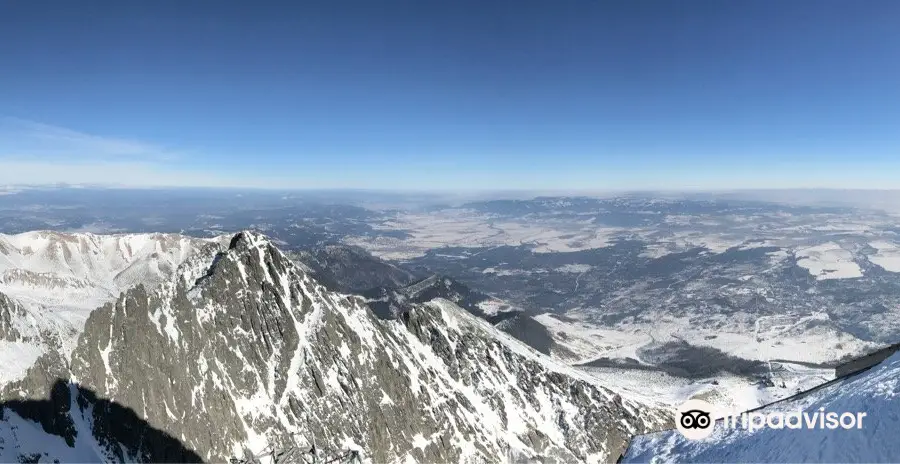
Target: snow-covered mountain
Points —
{"points": [[873, 392], [387, 302], [51, 281], [86, 270], [240, 351]]}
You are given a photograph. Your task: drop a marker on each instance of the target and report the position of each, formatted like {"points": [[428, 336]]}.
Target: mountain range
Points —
{"points": [[155, 347]]}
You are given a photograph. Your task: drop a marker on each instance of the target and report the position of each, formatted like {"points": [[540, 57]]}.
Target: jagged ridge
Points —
{"points": [[243, 350]]}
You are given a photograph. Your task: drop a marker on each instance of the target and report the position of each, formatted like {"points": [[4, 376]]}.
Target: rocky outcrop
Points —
{"points": [[12, 315]]}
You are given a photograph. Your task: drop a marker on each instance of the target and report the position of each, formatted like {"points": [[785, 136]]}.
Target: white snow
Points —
{"points": [[494, 306], [24, 437], [828, 261], [85, 270], [16, 358], [888, 255], [470, 229], [419, 441], [784, 342], [575, 268]]}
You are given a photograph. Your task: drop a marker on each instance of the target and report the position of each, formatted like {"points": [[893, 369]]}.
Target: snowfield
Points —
{"points": [[887, 257], [574, 268], [727, 392], [470, 229], [16, 358], [789, 345], [828, 261], [799, 338], [84, 271]]}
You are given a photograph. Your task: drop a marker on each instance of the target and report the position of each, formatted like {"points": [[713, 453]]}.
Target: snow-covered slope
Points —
{"points": [[242, 351], [64, 428], [669, 363], [874, 392], [51, 281], [83, 271], [386, 302]]}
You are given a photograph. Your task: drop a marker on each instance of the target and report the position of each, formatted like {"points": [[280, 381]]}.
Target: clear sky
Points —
{"points": [[589, 94]]}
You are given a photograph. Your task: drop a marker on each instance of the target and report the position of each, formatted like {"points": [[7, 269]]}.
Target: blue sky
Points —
{"points": [[591, 95]]}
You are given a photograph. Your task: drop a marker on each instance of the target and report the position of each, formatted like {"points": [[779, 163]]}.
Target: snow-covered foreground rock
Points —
{"points": [[875, 392], [240, 351]]}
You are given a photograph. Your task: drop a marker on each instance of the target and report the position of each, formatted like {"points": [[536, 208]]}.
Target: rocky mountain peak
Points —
{"points": [[243, 352], [248, 239]]}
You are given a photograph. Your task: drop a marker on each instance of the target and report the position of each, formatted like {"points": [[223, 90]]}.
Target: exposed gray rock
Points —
{"points": [[11, 313]]}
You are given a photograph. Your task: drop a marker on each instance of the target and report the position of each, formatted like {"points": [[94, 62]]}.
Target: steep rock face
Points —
{"points": [[438, 286], [243, 351], [537, 403], [526, 329], [13, 319]]}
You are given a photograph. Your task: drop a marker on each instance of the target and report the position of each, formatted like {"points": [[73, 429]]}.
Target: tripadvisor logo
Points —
{"points": [[696, 419]]}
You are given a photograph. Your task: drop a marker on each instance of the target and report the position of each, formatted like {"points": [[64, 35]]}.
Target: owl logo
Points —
{"points": [[696, 419]]}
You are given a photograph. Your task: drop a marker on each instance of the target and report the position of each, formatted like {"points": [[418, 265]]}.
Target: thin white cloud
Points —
{"points": [[23, 139], [109, 173], [34, 153]]}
